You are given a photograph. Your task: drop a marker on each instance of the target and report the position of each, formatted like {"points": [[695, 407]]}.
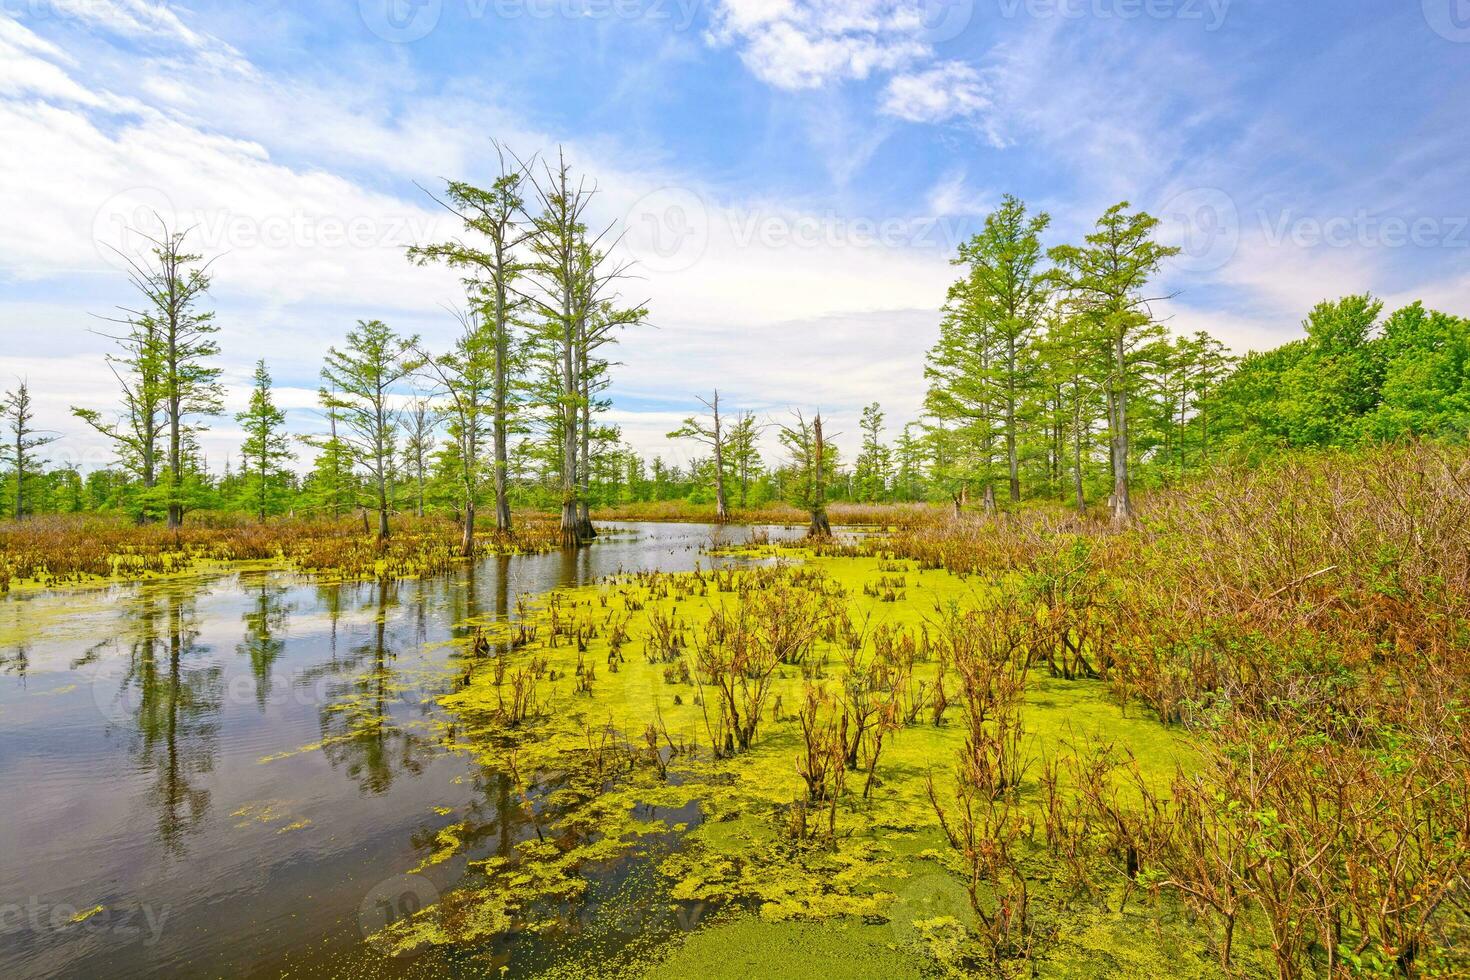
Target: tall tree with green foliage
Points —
{"points": [[137, 427], [575, 297], [744, 453], [492, 274], [908, 456], [873, 468], [471, 378], [180, 336], [560, 259], [266, 449], [1425, 389], [331, 486], [1009, 289], [961, 396], [22, 442], [363, 379], [1104, 281]]}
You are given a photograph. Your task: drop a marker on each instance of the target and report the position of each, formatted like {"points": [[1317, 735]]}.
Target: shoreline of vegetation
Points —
{"points": [[61, 551]]}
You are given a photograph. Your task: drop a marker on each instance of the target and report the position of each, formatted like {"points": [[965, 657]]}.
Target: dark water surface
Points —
{"points": [[239, 768]]}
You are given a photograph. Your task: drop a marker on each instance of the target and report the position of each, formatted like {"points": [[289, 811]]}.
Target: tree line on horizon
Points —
{"points": [[1052, 379]]}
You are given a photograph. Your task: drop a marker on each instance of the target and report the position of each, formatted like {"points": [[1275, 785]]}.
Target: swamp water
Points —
{"points": [[253, 773]]}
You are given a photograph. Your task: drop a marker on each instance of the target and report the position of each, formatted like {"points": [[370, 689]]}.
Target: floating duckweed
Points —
{"points": [[606, 769]]}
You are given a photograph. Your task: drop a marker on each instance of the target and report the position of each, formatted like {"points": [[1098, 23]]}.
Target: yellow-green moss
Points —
{"points": [[881, 894]]}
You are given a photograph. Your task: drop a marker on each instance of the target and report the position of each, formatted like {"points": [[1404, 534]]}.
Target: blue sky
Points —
{"points": [[792, 175]]}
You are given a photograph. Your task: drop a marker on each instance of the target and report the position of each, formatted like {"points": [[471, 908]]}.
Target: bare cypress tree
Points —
{"points": [[22, 441], [711, 434], [574, 298]]}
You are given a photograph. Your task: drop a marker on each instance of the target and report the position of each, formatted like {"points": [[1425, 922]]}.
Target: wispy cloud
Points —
{"points": [[797, 44], [948, 90]]}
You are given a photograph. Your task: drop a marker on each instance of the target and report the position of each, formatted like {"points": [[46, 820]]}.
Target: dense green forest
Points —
{"points": [[1052, 379]]}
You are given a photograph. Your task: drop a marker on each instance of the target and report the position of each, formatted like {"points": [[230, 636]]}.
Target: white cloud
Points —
{"points": [[147, 20], [952, 195], [948, 90], [799, 44]]}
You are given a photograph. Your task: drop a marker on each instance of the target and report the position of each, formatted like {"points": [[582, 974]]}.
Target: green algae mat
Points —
{"points": [[740, 772]]}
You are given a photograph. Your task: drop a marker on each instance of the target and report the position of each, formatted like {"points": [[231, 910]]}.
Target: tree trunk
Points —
{"points": [[820, 526], [1122, 505], [585, 530], [722, 514], [502, 353], [502, 463], [382, 510], [1012, 459], [175, 464], [467, 541], [569, 523], [569, 536], [20, 462]]}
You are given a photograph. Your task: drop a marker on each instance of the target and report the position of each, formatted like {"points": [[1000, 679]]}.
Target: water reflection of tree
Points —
{"points": [[264, 621], [16, 663], [176, 719], [358, 728]]}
